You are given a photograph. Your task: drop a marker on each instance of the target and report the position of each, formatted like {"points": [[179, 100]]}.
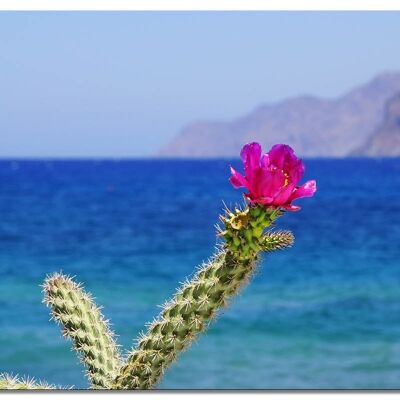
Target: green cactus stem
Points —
{"points": [[196, 303], [273, 241], [244, 230], [83, 322], [9, 382]]}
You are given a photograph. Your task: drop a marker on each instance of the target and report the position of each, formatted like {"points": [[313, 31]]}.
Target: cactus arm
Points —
{"points": [[195, 304], [83, 322], [9, 382], [273, 241], [183, 317]]}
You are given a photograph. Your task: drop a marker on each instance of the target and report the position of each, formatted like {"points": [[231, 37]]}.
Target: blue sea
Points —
{"points": [[324, 314]]}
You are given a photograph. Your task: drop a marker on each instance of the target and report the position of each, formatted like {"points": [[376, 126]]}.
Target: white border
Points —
{"points": [[203, 5], [206, 395]]}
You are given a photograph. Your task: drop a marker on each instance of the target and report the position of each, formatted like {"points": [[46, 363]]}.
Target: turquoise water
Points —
{"points": [[323, 314]]}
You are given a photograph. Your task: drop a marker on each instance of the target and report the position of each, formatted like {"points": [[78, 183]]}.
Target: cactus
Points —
{"points": [[9, 382], [188, 313], [272, 184], [196, 303], [83, 322], [244, 230]]}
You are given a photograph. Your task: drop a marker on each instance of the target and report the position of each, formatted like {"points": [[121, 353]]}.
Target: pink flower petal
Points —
{"points": [[284, 194], [291, 207], [271, 183], [265, 162], [259, 200], [265, 200], [296, 171], [251, 156], [237, 179], [282, 156], [306, 190]]}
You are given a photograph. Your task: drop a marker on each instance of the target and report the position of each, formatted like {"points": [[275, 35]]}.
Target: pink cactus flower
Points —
{"points": [[271, 179]]}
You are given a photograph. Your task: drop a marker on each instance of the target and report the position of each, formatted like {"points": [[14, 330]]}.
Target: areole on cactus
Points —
{"points": [[272, 183]]}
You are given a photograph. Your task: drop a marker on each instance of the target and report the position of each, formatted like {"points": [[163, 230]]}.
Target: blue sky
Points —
{"points": [[121, 84]]}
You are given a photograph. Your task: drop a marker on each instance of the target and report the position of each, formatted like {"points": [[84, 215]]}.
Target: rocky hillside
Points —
{"points": [[385, 140], [313, 126]]}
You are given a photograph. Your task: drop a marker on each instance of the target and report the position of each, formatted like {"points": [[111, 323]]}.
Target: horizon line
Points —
{"points": [[153, 158]]}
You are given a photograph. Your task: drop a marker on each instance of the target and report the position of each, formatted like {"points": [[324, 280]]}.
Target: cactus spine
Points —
{"points": [[83, 322], [9, 382], [197, 301]]}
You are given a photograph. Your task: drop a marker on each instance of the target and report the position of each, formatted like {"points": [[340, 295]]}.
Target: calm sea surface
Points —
{"points": [[323, 314]]}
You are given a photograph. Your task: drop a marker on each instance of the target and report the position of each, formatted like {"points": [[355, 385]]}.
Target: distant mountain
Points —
{"points": [[313, 126], [385, 140]]}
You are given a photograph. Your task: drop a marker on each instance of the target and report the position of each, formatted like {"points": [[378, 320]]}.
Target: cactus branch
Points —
{"points": [[279, 240], [83, 322], [196, 303]]}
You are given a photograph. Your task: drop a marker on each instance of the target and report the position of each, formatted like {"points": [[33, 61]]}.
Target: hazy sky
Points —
{"points": [[123, 83]]}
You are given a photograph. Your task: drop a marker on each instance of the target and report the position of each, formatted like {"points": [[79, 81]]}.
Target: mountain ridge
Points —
{"points": [[314, 126], [385, 140]]}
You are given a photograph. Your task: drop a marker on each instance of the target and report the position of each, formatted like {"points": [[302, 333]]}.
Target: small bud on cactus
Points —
{"points": [[277, 240]]}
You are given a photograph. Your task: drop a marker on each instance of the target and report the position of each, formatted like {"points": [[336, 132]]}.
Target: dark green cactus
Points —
{"points": [[83, 322]]}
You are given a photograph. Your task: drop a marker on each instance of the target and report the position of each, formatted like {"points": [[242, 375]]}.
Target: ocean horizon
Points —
{"points": [[324, 314]]}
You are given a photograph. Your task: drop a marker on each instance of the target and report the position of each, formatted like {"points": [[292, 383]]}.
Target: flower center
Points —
{"points": [[286, 178], [285, 174]]}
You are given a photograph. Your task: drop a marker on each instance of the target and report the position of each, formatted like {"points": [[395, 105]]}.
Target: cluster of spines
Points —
{"points": [[9, 382], [278, 240], [84, 324]]}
